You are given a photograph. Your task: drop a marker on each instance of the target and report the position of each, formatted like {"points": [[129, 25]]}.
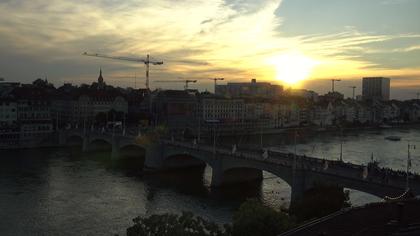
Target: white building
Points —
{"points": [[322, 115], [224, 113], [414, 112], [8, 112], [89, 106], [222, 109], [364, 114]]}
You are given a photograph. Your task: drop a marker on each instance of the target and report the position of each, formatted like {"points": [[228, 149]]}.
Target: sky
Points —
{"points": [[297, 43]]}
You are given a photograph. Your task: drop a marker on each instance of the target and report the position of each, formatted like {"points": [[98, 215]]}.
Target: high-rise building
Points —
{"points": [[376, 88], [253, 89]]}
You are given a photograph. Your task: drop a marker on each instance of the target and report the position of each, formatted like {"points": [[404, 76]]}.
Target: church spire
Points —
{"points": [[100, 78]]}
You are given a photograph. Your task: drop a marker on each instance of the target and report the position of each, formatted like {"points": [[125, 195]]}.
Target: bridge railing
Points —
{"points": [[339, 168]]}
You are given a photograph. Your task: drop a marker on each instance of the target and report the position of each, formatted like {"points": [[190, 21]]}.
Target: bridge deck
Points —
{"points": [[382, 176]]}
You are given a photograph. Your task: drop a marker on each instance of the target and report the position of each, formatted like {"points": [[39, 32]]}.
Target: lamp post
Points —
{"points": [[294, 155], [341, 144], [409, 147]]}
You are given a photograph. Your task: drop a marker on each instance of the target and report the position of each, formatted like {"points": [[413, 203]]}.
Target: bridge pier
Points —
{"points": [[61, 138], [115, 153], [85, 144], [154, 156], [299, 185]]}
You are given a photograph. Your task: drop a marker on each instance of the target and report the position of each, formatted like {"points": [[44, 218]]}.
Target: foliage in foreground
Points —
{"points": [[320, 201], [252, 218], [175, 225]]}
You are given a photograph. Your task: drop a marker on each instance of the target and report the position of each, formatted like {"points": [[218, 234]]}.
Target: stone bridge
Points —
{"points": [[116, 141], [300, 172]]}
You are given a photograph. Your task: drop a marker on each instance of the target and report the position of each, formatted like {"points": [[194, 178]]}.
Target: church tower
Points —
{"points": [[101, 83]]}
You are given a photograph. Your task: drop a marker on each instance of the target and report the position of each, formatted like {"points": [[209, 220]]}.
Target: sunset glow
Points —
{"points": [[230, 39], [293, 68]]}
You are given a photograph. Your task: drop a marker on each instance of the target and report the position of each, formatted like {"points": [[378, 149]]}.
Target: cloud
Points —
{"points": [[201, 33], [194, 38], [408, 49], [395, 2]]}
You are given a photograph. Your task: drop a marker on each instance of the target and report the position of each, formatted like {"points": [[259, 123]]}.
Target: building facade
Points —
{"points": [[376, 88], [252, 89], [8, 112]]}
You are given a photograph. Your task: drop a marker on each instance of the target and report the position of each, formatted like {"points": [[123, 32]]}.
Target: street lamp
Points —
{"points": [[409, 147]]}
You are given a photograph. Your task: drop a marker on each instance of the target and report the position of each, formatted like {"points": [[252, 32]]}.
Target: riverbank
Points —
{"points": [[318, 130]]}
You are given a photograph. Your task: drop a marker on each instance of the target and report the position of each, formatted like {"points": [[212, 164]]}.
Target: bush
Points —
{"points": [[174, 225], [253, 218], [320, 201]]}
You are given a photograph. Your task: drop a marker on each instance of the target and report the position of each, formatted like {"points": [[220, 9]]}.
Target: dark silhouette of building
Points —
{"points": [[376, 88]]}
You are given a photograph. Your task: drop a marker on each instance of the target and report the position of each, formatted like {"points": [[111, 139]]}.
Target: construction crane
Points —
{"points": [[215, 82], [333, 81], [146, 61], [354, 89], [187, 81]]}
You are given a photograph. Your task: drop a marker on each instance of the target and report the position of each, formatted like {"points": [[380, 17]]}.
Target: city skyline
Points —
{"points": [[220, 117], [238, 40]]}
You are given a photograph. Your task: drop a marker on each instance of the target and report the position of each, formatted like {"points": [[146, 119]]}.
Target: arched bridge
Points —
{"points": [[115, 141], [300, 172]]}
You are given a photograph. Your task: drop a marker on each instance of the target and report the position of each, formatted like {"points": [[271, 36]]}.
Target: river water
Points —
{"points": [[65, 192]]}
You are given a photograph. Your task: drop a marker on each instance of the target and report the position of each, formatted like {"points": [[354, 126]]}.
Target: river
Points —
{"points": [[66, 192]]}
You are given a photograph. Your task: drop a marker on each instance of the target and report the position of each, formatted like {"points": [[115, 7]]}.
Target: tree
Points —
{"points": [[174, 225], [253, 218], [40, 83], [320, 201]]}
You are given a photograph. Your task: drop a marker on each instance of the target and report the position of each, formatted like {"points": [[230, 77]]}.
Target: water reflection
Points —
{"points": [[65, 191]]}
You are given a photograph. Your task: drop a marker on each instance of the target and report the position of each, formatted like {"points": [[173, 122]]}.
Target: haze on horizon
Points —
{"points": [[271, 40]]}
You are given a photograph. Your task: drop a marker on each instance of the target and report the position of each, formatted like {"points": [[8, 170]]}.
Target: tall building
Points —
{"points": [[253, 89], [376, 88]]}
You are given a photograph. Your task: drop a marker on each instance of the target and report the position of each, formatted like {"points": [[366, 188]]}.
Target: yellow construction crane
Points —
{"points": [[215, 82], [333, 82], [146, 61], [187, 81]]}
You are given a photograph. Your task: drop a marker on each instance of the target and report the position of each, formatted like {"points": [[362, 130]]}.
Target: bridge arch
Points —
{"points": [[237, 170], [74, 140], [132, 150], [377, 190], [184, 160], [99, 144], [365, 186], [228, 168]]}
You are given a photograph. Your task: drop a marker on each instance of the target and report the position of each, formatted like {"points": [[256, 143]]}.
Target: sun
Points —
{"points": [[293, 68]]}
